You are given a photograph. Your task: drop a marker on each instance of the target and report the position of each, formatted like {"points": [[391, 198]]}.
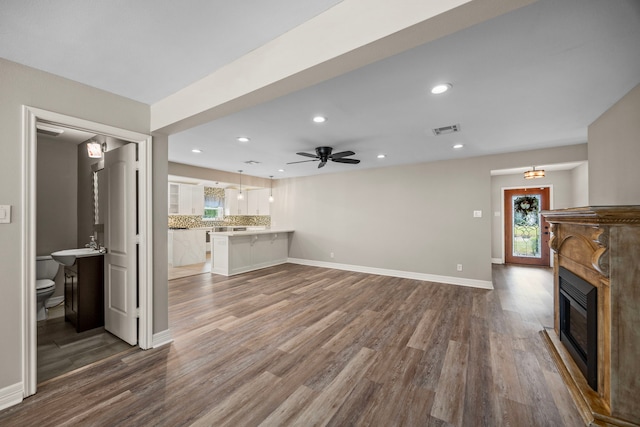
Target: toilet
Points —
{"points": [[46, 271]]}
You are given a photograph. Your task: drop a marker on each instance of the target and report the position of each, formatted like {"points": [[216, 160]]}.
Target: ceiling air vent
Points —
{"points": [[252, 162], [446, 129]]}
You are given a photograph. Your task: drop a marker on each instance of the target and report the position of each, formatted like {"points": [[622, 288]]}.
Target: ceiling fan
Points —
{"points": [[323, 154]]}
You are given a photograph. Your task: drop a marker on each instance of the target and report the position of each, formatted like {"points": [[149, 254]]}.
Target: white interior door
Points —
{"points": [[120, 298]]}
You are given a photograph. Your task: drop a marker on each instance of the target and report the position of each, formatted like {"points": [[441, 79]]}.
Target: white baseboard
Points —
{"points": [[497, 261], [53, 301], [161, 338], [450, 280], [11, 395]]}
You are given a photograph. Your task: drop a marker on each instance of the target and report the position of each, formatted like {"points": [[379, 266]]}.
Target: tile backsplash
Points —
{"points": [[195, 221]]}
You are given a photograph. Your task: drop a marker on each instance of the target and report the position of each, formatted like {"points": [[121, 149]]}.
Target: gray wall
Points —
{"points": [[57, 178], [580, 185], [20, 86], [614, 152], [415, 218], [160, 213]]}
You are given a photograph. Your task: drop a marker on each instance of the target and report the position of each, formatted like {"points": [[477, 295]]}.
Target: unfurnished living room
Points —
{"points": [[334, 212]]}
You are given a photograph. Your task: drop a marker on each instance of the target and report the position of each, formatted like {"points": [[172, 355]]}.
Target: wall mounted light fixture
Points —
{"points": [[94, 150]]}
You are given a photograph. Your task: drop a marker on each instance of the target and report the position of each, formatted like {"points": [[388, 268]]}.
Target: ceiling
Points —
{"points": [[533, 78]]}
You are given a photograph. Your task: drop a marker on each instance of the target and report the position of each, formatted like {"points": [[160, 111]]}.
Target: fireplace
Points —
{"points": [[595, 340], [578, 301]]}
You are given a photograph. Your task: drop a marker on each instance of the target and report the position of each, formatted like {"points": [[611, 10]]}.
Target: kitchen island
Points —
{"points": [[236, 252], [186, 246]]}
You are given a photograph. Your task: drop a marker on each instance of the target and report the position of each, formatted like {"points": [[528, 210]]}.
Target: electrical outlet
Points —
{"points": [[331, 255], [459, 267]]}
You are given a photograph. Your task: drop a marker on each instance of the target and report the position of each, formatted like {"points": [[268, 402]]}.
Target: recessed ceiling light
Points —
{"points": [[458, 146], [196, 150], [243, 139], [280, 170], [319, 119], [441, 88], [381, 156]]}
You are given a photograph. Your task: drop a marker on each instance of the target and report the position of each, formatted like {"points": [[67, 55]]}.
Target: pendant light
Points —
{"points": [[271, 190], [533, 173], [240, 195]]}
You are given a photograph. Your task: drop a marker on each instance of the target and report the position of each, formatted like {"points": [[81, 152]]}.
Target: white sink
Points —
{"points": [[68, 256]]}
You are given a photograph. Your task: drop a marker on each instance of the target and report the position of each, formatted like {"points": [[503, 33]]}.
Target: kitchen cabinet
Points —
{"points": [[239, 252], [84, 293], [186, 199], [258, 202], [233, 206], [187, 247]]}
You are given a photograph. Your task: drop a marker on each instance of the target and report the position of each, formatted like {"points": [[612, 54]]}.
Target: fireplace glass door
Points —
{"points": [[579, 323]]}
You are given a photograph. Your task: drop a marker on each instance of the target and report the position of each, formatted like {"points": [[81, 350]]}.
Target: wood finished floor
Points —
{"points": [[61, 349], [298, 345]]}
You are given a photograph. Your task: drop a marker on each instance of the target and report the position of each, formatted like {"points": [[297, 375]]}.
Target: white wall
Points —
{"points": [[415, 218], [20, 86], [614, 152]]}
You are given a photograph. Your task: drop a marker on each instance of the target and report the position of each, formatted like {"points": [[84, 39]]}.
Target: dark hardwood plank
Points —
{"points": [[299, 345]]}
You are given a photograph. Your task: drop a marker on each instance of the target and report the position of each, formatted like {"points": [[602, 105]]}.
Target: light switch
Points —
{"points": [[5, 214], [477, 214]]}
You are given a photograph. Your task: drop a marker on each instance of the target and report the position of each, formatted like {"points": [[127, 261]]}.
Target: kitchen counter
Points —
{"points": [[235, 252]]}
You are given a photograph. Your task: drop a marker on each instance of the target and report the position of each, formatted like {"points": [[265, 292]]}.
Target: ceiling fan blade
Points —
{"points": [[342, 154], [303, 161], [307, 155], [321, 165], [350, 161]]}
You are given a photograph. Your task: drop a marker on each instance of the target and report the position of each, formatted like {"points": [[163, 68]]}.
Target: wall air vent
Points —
{"points": [[446, 129], [48, 130]]}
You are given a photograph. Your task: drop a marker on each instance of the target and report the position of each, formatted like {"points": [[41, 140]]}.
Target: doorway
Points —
{"points": [[143, 234], [526, 232]]}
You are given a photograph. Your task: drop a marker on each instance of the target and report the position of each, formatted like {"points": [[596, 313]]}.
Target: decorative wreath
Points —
{"points": [[525, 205]]}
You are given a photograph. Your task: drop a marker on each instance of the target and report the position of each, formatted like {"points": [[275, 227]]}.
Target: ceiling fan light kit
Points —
{"points": [[324, 154]]}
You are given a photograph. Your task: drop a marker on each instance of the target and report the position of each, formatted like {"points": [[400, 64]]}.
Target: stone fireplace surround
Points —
{"points": [[602, 246]]}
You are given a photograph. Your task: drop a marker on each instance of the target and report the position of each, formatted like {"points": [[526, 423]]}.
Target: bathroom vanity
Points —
{"points": [[84, 293], [237, 252]]}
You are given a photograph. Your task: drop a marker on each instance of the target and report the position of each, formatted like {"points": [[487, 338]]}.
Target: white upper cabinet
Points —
{"points": [[186, 199], [233, 206], [258, 202]]}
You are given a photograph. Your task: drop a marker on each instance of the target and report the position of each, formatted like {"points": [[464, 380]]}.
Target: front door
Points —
{"points": [[526, 231], [121, 284]]}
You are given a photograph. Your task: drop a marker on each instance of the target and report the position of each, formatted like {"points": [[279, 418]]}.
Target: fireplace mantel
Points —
{"points": [[602, 246]]}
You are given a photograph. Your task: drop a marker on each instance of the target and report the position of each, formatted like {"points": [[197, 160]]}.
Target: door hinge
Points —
{"points": [[138, 312], [137, 239]]}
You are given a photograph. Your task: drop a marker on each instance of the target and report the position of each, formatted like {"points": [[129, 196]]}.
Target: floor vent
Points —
{"points": [[446, 129]]}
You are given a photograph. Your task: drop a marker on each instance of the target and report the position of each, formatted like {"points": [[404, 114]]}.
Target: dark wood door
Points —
{"points": [[526, 231]]}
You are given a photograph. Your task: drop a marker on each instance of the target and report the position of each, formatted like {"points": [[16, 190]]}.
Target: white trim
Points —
{"points": [[450, 280], [10, 395], [162, 338], [30, 116], [497, 261]]}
